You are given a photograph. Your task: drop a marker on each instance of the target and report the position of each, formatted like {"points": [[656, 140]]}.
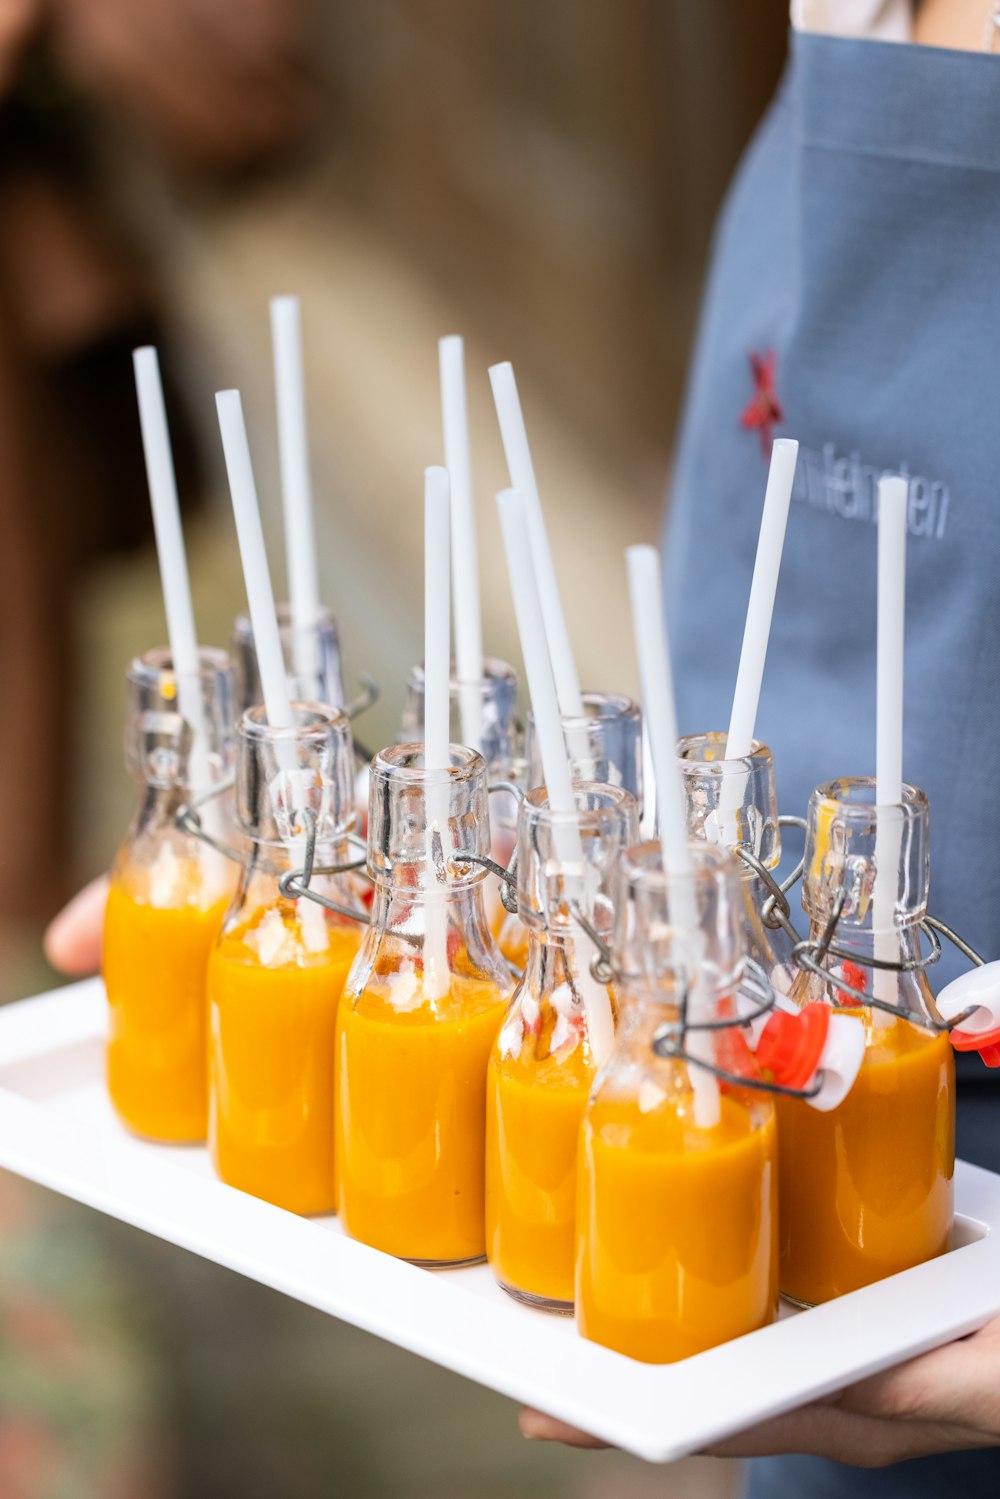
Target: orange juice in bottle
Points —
{"points": [[867, 1189], [419, 1016], [677, 1181], [166, 899], [545, 1056], [279, 965]]}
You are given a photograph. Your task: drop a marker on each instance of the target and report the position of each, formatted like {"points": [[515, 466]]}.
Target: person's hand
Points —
{"points": [[944, 1401], [225, 82], [72, 941], [538, 1427]]}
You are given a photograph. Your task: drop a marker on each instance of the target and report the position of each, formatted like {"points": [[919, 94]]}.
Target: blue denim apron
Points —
{"points": [[855, 287]]}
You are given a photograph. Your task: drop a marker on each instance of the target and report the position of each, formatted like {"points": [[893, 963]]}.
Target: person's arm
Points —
{"points": [[944, 1401]]}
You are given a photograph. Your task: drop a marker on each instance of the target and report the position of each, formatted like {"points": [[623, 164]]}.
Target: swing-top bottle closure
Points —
{"points": [[842, 868], [566, 873], [816, 1058]]}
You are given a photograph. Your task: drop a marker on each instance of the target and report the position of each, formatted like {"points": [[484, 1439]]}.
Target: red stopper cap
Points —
{"points": [[791, 1046], [987, 1043]]}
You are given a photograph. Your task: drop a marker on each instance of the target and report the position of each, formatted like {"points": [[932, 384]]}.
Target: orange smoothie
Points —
{"points": [[533, 1114], [154, 965], [411, 1116], [866, 1190], [272, 1060], [676, 1228]]}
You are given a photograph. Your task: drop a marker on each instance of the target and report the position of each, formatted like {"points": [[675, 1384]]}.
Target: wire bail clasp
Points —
{"points": [[296, 884]]}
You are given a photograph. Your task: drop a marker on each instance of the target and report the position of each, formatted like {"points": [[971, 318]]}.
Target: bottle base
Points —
{"points": [[798, 1303], [196, 1135], [540, 1303], [476, 1259]]}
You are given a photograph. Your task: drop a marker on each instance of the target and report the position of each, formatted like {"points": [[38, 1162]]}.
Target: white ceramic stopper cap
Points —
{"points": [[980, 986], [840, 1061]]}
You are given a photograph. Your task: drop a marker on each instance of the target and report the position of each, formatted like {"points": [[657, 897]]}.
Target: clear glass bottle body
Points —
{"points": [[420, 1012], [166, 898], [543, 1061], [867, 1189], [734, 802], [279, 965], [313, 666], [604, 745], [483, 717], [677, 1232]]}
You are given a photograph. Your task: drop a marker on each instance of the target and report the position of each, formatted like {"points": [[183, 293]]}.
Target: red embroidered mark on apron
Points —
{"points": [[764, 409]]}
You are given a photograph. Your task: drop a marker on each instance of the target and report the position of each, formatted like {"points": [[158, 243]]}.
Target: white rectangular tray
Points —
{"points": [[57, 1128]]}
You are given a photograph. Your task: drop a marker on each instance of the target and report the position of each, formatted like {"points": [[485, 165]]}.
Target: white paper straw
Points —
{"points": [[647, 827], [760, 608], [170, 552], [513, 508], [660, 714], [296, 485], [253, 555], [437, 753], [892, 512], [464, 557], [522, 478]]}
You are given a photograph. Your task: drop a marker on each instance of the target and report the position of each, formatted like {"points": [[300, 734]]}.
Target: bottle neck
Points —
{"points": [[554, 959], [397, 902], [166, 867], [908, 989], [306, 929], [398, 932], [903, 944], [157, 807]]}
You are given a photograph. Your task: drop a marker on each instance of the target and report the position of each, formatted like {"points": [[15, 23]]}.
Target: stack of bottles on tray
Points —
{"points": [[570, 1081]]}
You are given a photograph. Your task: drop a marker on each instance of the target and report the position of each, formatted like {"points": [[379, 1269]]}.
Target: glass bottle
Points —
{"points": [[313, 663], [486, 709], [166, 898], [677, 1246], [866, 1190], [543, 1061], [731, 802], [604, 744], [421, 1010], [484, 712], [278, 968]]}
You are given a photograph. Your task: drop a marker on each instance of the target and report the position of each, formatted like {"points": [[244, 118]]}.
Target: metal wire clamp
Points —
{"points": [[775, 910], [668, 1039], [295, 884], [187, 820], [810, 956]]}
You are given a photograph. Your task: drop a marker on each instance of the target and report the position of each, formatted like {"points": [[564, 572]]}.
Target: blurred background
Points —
{"points": [[539, 175]]}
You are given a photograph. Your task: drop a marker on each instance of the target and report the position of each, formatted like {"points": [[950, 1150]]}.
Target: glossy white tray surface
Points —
{"points": [[57, 1128]]}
